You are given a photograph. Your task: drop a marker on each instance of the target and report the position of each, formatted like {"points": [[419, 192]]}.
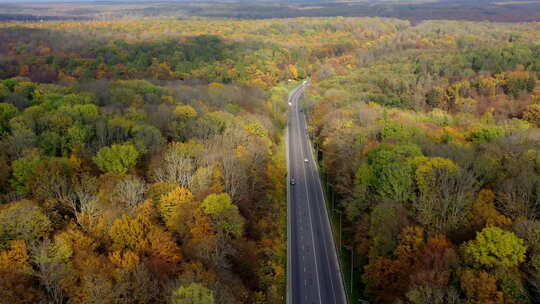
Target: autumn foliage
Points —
{"points": [[141, 160], [427, 143]]}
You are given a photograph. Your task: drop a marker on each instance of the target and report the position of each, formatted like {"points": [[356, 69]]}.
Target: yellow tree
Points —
{"points": [[177, 210], [16, 283], [142, 235]]}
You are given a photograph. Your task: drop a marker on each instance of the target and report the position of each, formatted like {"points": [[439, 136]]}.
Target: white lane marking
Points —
{"points": [[327, 257], [291, 206], [321, 193], [323, 240], [309, 207]]}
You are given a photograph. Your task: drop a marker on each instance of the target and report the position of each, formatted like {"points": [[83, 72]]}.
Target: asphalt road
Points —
{"points": [[313, 268]]}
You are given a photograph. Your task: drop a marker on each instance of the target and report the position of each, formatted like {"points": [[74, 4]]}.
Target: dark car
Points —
{"points": [[293, 181]]}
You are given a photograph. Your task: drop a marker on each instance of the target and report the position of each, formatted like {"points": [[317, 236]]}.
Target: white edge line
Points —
{"points": [[289, 221], [309, 207], [326, 213], [314, 176], [289, 258]]}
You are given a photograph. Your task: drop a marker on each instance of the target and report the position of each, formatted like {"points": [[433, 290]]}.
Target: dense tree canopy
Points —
{"points": [[141, 161], [126, 176], [434, 127]]}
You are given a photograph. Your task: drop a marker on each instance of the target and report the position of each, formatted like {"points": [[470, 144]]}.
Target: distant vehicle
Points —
{"points": [[306, 160], [293, 181], [305, 81], [290, 103]]}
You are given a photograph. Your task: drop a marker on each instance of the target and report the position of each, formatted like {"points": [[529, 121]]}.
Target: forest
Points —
{"points": [[151, 149], [142, 161], [429, 143], [170, 180]]}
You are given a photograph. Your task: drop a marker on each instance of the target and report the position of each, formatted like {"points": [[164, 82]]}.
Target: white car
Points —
{"points": [[306, 160], [290, 103]]}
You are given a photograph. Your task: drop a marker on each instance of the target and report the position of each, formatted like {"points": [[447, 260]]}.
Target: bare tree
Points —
{"points": [[136, 285], [443, 208], [21, 138], [202, 179], [97, 289], [85, 203], [49, 269], [257, 165], [130, 191], [234, 176], [518, 193], [221, 150], [52, 179], [176, 169]]}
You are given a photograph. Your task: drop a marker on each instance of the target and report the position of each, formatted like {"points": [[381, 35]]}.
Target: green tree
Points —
{"points": [[23, 169], [4, 91], [399, 131], [52, 143], [224, 213], [391, 173], [77, 136], [193, 293], [228, 223], [363, 178], [25, 89], [118, 158], [385, 154], [494, 246], [7, 112], [22, 220], [146, 138], [396, 182], [486, 134], [85, 113]]}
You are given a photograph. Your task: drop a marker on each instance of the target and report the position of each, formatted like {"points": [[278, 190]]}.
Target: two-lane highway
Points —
{"points": [[313, 269]]}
